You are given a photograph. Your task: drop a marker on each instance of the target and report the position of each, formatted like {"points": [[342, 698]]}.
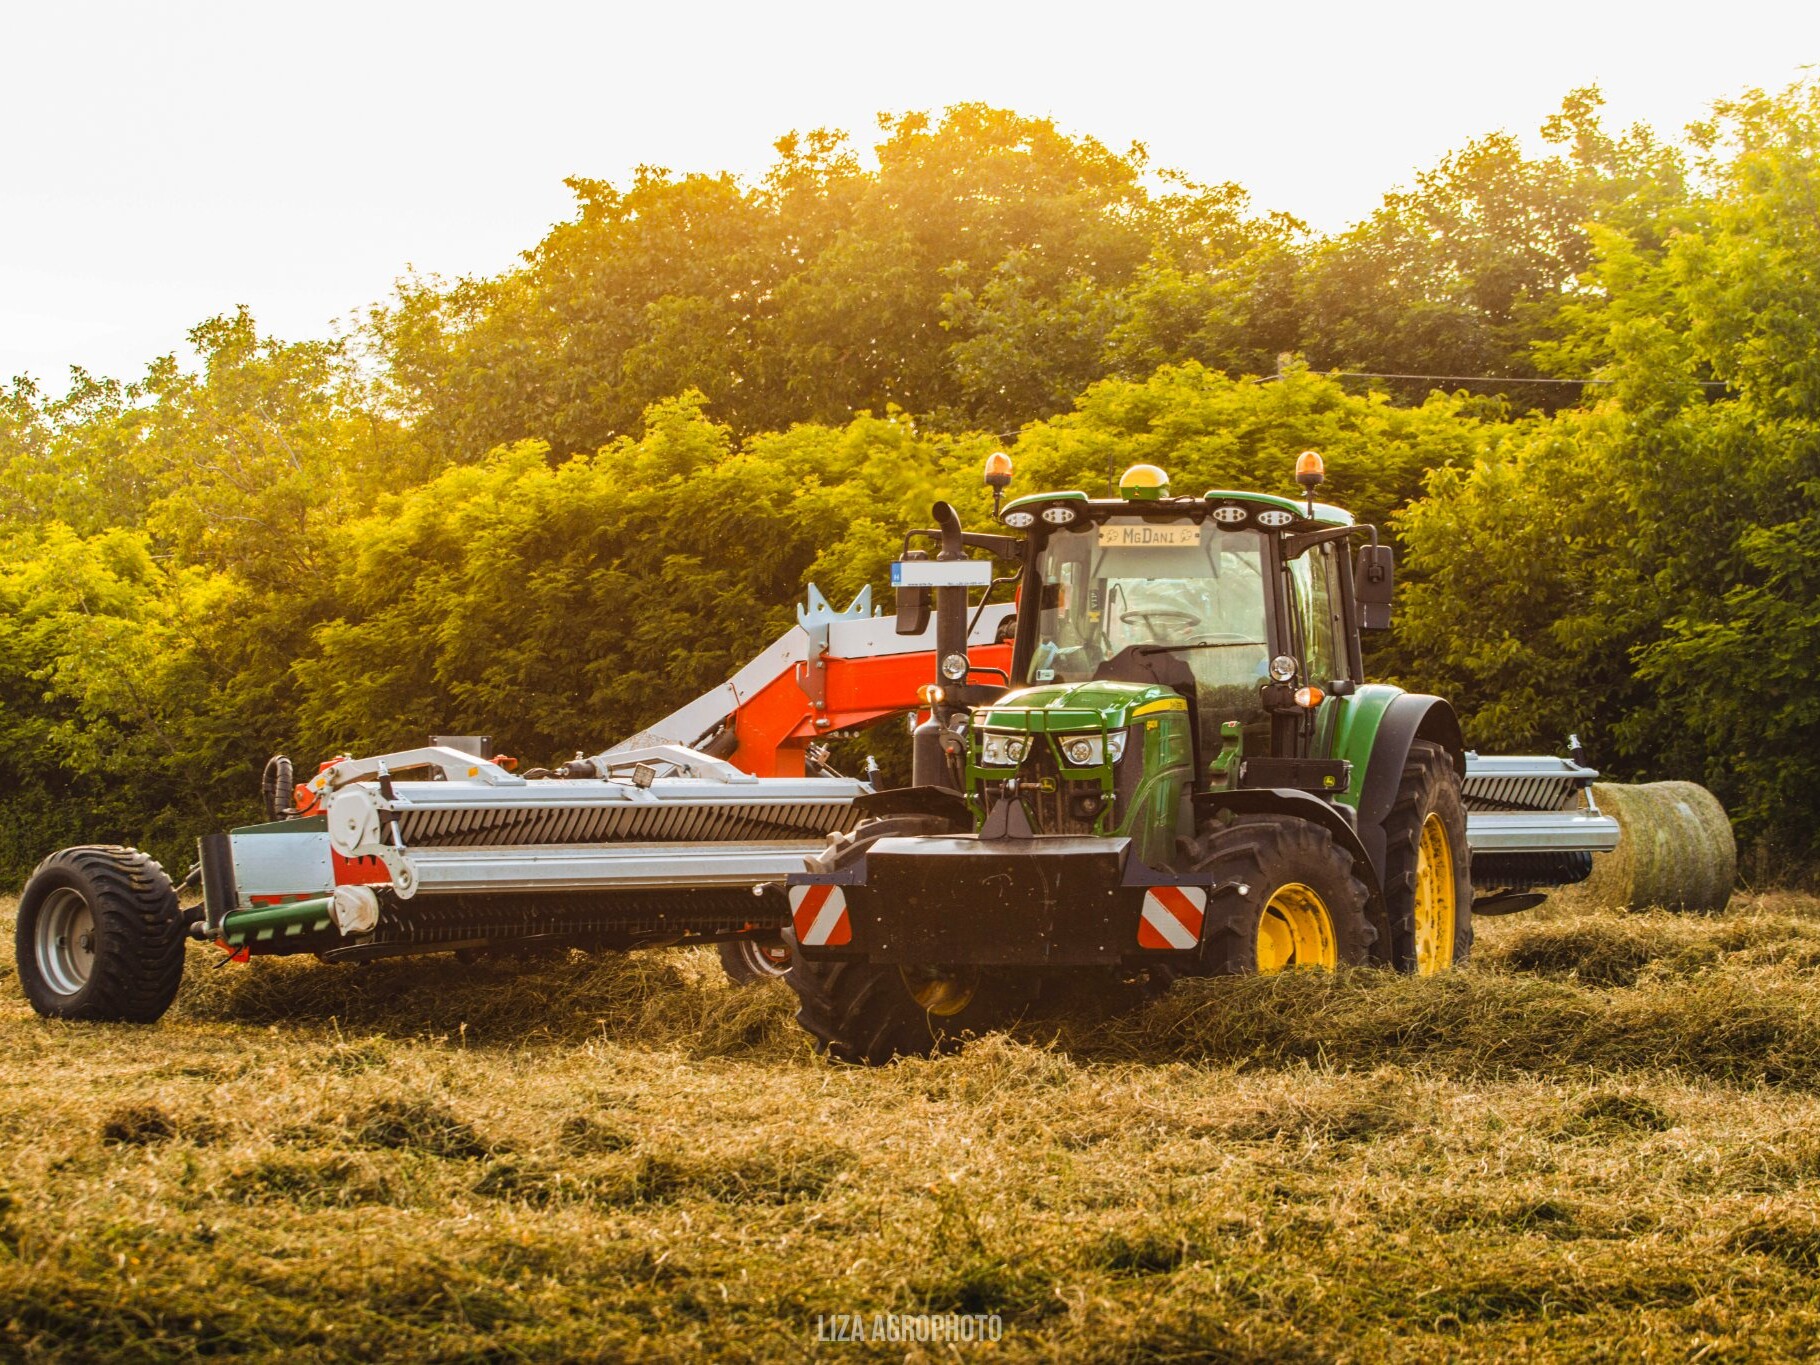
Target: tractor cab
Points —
{"points": [[1236, 601], [1243, 607]]}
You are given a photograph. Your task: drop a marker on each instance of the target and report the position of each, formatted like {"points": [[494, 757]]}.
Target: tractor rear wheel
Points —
{"points": [[1427, 866], [99, 936], [866, 1013], [1304, 905]]}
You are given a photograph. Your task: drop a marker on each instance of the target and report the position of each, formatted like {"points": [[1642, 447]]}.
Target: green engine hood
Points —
{"points": [[1060, 707]]}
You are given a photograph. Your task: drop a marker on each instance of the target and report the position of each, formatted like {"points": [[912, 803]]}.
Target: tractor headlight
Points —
{"points": [[1282, 668], [1084, 750], [1002, 751], [954, 667]]}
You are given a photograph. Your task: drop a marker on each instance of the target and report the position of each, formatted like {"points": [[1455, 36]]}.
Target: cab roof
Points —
{"points": [[1100, 509]]}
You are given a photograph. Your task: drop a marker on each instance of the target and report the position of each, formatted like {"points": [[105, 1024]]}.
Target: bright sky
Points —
{"points": [[168, 161]]}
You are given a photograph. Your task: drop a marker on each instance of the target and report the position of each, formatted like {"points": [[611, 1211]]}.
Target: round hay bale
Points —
{"points": [[1675, 851]]}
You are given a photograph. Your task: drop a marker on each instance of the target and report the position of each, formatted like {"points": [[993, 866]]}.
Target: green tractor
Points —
{"points": [[1185, 772]]}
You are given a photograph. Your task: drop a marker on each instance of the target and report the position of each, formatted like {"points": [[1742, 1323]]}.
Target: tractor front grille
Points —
{"points": [[1068, 807], [1053, 811]]}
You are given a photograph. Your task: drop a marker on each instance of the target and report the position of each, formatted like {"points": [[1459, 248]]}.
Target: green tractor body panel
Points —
{"points": [[1032, 500], [1347, 728], [1062, 707], [1107, 759]]}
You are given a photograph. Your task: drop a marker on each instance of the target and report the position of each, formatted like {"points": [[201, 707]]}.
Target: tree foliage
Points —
{"points": [[553, 503]]}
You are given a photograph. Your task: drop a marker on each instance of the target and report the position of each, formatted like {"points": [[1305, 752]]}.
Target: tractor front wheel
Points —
{"points": [[1303, 904], [99, 936], [1427, 866], [866, 1013]]}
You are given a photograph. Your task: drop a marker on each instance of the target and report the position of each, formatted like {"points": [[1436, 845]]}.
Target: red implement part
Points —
{"points": [[776, 725]]}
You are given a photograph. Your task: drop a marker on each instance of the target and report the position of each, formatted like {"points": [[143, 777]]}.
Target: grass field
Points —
{"points": [[1602, 1140]]}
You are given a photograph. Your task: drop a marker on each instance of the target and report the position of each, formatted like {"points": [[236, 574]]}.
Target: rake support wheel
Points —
{"points": [[749, 961], [99, 936]]}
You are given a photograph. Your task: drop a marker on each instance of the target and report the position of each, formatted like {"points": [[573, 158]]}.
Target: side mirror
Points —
{"points": [[1373, 581], [913, 603]]}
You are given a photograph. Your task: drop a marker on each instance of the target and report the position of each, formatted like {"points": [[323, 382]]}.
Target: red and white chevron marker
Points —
{"points": [[1172, 917], [820, 916]]}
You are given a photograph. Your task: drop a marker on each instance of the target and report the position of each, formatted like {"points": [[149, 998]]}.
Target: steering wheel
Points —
{"points": [[1187, 620]]}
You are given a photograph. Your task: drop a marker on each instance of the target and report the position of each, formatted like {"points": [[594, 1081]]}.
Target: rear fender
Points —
{"points": [[1301, 805]]}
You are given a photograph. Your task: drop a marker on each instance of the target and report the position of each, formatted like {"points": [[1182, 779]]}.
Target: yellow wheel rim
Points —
{"points": [[1434, 898], [1296, 930], [942, 996]]}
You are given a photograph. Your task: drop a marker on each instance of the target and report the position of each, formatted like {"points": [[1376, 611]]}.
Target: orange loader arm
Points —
{"points": [[774, 729], [833, 671]]}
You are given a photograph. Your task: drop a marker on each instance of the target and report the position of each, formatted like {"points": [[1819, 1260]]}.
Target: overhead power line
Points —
{"points": [[1481, 378]]}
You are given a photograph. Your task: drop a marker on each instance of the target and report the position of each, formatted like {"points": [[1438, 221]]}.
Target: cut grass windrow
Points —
{"points": [[1599, 1141]]}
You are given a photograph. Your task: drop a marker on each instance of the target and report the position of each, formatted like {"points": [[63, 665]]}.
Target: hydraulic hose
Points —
{"points": [[275, 785]]}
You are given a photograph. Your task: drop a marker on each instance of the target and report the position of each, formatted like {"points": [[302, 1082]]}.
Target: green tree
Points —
{"points": [[116, 721], [1521, 597], [1210, 431], [1467, 272]]}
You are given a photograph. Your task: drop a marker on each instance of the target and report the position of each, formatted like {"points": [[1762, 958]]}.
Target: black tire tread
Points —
{"points": [[1427, 776], [275, 785], [139, 935], [1263, 852], [864, 1013]]}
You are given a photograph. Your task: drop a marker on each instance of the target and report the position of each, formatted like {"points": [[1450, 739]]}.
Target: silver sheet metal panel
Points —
{"points": [[623, 867], [269, 862], [1566, 831]]}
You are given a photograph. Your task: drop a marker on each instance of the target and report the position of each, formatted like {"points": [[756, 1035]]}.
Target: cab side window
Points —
{"points": [[1315, 577]]}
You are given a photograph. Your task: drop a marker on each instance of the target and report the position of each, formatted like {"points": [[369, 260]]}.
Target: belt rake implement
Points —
{"points": [[683, 834], [1158, 759]]}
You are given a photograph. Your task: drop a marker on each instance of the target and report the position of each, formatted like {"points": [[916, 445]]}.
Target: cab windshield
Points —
{"points": [[1197, 591]]}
